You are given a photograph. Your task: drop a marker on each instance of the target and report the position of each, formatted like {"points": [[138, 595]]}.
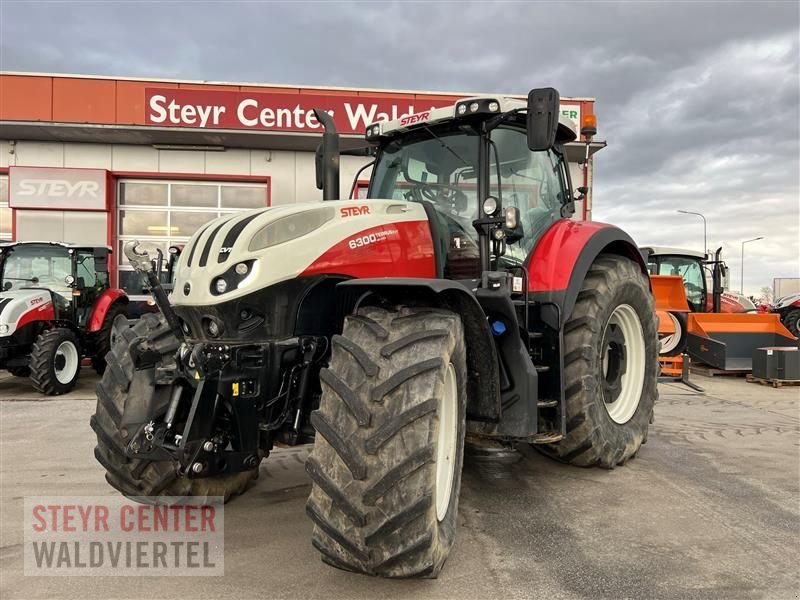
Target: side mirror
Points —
{"points": [[513, 225], [542, 121]]}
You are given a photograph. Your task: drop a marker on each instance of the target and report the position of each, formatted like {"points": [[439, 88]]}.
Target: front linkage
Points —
{"points": [[229, 402]]}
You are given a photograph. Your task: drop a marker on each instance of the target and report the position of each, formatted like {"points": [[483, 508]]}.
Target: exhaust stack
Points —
{"points": [[327, 158], [716, 282]]}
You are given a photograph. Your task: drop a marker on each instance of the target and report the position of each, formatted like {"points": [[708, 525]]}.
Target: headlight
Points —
{"points": [[221, 286], [291, 227], [494, 106], [490, 206], [462, 109], [3, 329], [241, 269], [474, 107]]}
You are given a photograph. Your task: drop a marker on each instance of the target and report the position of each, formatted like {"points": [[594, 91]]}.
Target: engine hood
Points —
{"points": [[252, 250], [20, 307], [785, 301]]}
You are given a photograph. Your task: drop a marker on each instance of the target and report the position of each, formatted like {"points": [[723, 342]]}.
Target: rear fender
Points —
{"points": [[483, 393], [101, 307], [558, 265]]}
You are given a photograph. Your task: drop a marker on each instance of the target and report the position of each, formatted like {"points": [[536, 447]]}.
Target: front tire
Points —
{"points": [[124, 388], [674, 343], [386, 464], [55, 361], [611, 366]]}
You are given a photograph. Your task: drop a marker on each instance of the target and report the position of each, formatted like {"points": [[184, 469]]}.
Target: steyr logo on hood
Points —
{"points": [[58, 188]]}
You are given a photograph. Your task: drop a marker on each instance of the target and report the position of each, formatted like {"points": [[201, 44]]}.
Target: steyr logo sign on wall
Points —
{"points": [[228, 109], [57, 188], [222, 109]]}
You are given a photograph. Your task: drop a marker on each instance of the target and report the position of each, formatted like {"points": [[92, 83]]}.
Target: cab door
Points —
{"points": [[87, 286]]}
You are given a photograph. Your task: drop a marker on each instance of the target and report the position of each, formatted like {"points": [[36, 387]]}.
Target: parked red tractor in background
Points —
{"points": [[56, 307]]}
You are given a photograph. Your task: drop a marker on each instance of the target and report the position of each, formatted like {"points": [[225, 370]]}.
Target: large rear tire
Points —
{"points": [[611, 366], [386, 464], [55, 361], [124, 388]]}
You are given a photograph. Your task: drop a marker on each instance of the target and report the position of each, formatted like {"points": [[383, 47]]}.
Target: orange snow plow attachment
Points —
{"points": [[727, 341], [669, 293], [671, 304]]}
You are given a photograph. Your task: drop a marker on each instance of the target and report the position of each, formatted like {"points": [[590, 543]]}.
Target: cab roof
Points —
{"points": [[567, 128], [5, 245], [669, 251]]}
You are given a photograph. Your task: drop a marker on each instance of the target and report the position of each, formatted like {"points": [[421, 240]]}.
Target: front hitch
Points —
{"points": [[141, 263]]}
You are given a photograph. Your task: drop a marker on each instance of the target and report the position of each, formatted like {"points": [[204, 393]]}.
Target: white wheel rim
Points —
{"points": [[670, 342], [67, 356], [446, 444], [624, 406]]}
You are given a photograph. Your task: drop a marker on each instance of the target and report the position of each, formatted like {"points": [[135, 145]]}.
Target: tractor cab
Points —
{"points": [[704, 279], [75, 276], [480, 175], [687, 264]]}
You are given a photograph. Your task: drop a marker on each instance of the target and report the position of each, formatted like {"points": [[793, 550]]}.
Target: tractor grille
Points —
{"points": [[202, 247]]}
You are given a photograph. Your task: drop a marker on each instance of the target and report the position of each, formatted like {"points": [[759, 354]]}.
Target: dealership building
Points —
{"points": [[99, 161]]}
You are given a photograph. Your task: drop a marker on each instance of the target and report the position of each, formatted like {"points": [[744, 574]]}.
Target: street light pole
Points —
{"points": [[705, 229], [741, 288]]}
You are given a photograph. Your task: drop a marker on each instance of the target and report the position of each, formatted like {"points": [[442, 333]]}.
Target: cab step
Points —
{"points": [[547, 403]]}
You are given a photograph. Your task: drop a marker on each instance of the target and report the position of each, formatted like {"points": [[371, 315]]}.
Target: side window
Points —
{"points": [[86, 269], [528, 180]]}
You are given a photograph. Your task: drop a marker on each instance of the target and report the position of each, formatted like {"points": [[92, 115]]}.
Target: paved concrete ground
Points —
{"points": [[709, 509]]}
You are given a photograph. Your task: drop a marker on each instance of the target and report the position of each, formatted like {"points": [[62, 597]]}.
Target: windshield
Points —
{"points": [[435, 166], [692, 273], [439, 165], [31, 265]]}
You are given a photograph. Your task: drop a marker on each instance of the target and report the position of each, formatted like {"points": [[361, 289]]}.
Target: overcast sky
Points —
{"points": [[699, 102]]}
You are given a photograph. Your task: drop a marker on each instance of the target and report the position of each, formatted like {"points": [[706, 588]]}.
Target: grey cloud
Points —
{"points": [[699, 101]]}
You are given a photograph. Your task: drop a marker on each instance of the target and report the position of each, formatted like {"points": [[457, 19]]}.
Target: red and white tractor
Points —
{"points": [[788, 307], [56, 307], [458, 297]]}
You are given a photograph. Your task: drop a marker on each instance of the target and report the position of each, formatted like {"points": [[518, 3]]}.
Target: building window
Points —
{"points": [[5, 211], [162, 213]]}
